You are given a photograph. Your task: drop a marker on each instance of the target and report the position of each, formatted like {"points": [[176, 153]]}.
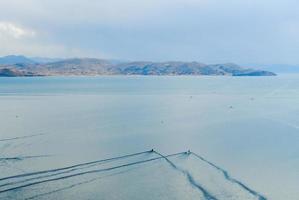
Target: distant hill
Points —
{"points": [[9, 72], [186, 68], [93, 66], [45, 60], [13, 59]]}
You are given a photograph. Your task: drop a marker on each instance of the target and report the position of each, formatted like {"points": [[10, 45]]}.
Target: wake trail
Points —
{"points": [[23, 157], [39, 177], [75, 185], [86, 172], [190, 179], [22, 137], [231, 179], [72, 166], [47, 176]]}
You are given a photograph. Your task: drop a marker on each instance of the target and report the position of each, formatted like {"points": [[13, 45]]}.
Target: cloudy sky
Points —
{"points": [[211, 31]]}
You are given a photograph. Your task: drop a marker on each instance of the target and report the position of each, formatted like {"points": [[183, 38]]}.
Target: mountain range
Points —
{"points": [[23, 66], [13, 59]]}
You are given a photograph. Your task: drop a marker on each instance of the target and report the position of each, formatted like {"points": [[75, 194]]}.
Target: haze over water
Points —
{"points": [[247, 125]]}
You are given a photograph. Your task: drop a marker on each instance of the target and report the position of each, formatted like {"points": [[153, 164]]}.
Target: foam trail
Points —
{"points": [[86, 172], [75, 185], [23, 157], [39, 177], [22, 137], [48, 175], [229, 178], [191, 180], [72, 166]]}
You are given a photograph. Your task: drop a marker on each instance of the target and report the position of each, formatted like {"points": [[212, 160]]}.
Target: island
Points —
{"points": [[93, 67]]}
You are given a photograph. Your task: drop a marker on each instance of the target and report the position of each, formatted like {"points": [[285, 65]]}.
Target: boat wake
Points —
{"points": [[35, 185]]}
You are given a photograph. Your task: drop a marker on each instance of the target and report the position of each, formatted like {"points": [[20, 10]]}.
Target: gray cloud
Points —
{"points": [[248, 31]]}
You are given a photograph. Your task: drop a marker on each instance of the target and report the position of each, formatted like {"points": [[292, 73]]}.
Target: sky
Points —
{"points": [[210, 31]]}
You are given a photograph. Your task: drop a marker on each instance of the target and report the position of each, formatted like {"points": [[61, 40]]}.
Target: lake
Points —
{"points": [[248, 126]]}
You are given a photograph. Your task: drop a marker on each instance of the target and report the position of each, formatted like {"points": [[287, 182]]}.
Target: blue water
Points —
{"points": [[144, 85], [247, 125]]}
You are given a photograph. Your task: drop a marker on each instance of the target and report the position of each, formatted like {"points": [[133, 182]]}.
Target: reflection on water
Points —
{"points": [[247, 125]]}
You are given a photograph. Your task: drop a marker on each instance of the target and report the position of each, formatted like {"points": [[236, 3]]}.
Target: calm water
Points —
{"points": [[247, 125]]}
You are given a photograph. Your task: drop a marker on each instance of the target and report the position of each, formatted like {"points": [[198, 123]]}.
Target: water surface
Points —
{"points": [[247, 125]]}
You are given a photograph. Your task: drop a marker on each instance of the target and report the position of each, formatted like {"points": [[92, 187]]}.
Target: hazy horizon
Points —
{"points": [[279, 66], [208, 31]]}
